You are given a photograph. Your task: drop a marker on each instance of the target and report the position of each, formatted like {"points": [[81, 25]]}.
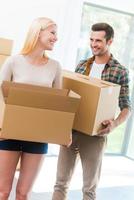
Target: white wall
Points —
{"points": [[16, 16]]}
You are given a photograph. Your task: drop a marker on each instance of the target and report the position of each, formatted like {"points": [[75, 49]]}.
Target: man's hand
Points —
{"points": [[107, 127]]}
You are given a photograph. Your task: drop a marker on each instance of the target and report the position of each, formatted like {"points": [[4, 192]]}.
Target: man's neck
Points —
{"points": [[102, 58]]}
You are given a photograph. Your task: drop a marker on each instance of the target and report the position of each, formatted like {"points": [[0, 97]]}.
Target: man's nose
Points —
{"points": [[93, 44]]}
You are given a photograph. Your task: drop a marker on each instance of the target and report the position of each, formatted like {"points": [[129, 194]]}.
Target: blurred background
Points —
{"points": [[74, 19]]}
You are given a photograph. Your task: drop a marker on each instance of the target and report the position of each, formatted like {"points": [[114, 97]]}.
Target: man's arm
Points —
{"points": [[124, 104]]}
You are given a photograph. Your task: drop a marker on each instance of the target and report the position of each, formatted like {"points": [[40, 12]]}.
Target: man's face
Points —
{"points": [[98, 43]]}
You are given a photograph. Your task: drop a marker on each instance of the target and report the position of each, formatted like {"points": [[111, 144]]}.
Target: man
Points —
{"points": [[90, 149]]}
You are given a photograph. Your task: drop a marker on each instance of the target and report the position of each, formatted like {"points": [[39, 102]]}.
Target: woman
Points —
{"points": [[31, 66]]}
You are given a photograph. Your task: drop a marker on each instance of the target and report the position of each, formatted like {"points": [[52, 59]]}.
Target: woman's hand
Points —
{"points": [[70, 142]]}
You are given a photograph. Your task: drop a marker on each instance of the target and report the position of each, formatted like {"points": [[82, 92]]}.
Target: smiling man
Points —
{"points": [[90, 149]]}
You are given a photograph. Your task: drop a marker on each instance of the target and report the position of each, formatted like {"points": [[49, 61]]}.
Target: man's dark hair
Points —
{"points": [[104, 27]]}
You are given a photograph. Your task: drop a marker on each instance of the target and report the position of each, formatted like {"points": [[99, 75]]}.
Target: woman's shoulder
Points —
{"points": [[13, 58], [17, 56], [55, 63]]}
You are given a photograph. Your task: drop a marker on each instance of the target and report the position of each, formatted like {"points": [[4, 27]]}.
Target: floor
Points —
{"points": [[117, 180]]}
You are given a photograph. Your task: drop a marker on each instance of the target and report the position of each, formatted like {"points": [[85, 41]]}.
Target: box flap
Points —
{"points": [[73, 94], [42, 100], [6, 85], [86, 79]]}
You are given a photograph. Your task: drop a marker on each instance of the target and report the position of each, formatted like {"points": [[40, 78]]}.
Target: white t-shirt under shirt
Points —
{"points": [[96, 70], [22, 71]]}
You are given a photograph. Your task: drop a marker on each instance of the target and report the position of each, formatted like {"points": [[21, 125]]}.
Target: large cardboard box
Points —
{"points": [[98, 101], [2, 59], [5, 46], [35, 113]]}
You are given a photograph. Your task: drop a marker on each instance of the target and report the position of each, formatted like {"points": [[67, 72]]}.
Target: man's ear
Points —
{"points": [[109, 42]]}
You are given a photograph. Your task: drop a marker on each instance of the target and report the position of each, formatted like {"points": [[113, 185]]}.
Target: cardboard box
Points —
{"points": [[98, 101], [35, 113], [2, 59], [5, 46]]}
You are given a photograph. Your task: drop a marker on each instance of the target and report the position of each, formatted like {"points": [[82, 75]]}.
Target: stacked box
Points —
{"points": [[5, 49]]}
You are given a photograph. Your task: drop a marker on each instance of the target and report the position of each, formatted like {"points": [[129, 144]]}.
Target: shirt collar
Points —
{"points": [[109, 63]]}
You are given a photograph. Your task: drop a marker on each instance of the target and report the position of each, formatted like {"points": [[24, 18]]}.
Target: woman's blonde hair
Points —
{"points": [[38, 25]]}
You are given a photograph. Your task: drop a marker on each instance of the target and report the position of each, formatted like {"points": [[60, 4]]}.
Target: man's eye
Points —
{"points": [[53, 33]]}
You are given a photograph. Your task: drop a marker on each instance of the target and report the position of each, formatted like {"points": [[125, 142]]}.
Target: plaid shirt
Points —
{"points": [[113, 72]]}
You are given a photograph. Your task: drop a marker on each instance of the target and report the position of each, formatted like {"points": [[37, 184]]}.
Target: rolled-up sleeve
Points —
{"points": [[124, 98]]}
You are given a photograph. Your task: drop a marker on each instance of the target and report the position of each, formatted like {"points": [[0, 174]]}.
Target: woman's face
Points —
{"points": [[48, 37]]}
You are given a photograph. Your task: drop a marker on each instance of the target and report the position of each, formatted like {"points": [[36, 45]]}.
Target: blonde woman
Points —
{"points": [[31, 66]]}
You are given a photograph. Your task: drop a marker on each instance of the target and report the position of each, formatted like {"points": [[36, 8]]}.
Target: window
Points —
{"points": [[122, 49]]}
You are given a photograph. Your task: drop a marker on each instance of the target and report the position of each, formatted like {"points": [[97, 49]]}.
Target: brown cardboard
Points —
{"points": [[36, 113], [5, 46], [98, 101], [2, 59], [6, 85]]}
